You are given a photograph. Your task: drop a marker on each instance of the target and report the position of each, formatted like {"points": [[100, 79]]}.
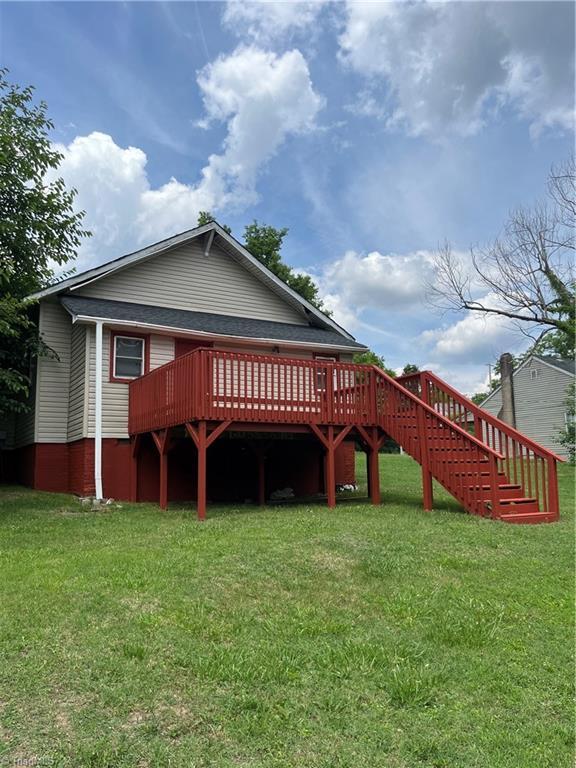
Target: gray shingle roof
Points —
{"points": [[206, 322], [566, 365]]}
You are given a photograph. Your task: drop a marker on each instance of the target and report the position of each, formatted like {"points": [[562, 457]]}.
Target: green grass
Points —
{"points": [[285, 636]]}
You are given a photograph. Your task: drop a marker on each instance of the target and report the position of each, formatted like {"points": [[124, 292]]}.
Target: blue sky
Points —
{"points": [[372, 131]]}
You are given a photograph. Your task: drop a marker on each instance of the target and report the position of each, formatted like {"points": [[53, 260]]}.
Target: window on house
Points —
{"points": [[535, 373], [128, 357]]}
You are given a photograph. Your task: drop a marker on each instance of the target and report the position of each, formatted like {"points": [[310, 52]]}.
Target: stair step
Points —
{"points": [[505, 490], [529, 517]]}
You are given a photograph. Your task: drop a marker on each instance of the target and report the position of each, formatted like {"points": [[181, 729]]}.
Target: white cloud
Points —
{"points": [[474, 338], [263, 98], [265, 21], [385, 282], [449, 66]]}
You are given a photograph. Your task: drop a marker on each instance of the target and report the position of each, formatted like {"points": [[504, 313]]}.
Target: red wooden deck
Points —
{"points": [[490, 468]]}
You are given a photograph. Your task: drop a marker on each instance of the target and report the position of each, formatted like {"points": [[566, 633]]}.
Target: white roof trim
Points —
{"points": [[77, 281], [520, 367], [167, 329]]}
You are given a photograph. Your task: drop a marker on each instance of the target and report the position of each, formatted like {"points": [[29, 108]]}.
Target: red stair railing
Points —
{"points": [[524, 462], [454, 457]]}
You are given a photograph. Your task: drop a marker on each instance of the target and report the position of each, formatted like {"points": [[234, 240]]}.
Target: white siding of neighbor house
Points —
{"points": [[186, 279], [539, 402], [53, 378]]}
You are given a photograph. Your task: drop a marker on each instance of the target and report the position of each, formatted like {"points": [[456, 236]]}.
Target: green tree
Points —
{"points": [[39, 231], [410, 368], [371, 358], [265, 243], [205, 217]]}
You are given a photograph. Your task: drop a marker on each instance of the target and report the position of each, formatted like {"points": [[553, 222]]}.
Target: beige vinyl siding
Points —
{"points": [[53, 383], [78, 388], [186, 279], [115, 394], [539, 403]]}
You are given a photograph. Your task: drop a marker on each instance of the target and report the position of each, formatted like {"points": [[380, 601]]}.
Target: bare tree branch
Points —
{"points": [[526, 274]]}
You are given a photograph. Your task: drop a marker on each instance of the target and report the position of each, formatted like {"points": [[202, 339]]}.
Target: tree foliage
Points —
{"points": [[371, 358], [39, 231], [410, 368], [527, 274], [265, 243]]}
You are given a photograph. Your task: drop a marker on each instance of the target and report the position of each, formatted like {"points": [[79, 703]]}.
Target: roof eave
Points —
{"points": [[209, 335]]}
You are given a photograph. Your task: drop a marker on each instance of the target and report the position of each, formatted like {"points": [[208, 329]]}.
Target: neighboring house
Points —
{"points": [[112, 324], [540, 391]]}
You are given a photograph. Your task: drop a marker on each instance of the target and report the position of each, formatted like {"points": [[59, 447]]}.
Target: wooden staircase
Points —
{"points": [[490, 467]]}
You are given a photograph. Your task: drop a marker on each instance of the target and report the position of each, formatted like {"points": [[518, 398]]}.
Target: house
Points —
{"points": [[120, 321], [540, 386], [188, 371]]}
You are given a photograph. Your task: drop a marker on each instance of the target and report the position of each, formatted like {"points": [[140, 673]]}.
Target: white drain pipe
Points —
{"points": [[98, 413]]}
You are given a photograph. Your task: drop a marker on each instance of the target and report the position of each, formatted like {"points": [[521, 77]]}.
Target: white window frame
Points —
{"points": [[143, 361]]}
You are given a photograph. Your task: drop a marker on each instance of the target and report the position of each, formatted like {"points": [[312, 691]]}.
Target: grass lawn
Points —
{"points": [[285, 636]]}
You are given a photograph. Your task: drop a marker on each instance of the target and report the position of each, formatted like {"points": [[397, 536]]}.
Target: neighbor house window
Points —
{"points": [[535, 373], [128, 358]]}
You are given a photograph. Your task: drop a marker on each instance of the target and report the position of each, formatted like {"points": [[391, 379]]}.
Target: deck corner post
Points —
{"points": [[374, 469], [201, 492], [330, 469]]}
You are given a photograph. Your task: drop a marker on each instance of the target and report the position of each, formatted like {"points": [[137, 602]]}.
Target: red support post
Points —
{"points": [[330, 469], [134, 468], [374, 469], [427, 494], [201, 495], [163, 480]]}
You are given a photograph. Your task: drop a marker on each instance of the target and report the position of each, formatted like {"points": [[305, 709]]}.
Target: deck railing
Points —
{"points": [[209, 384], [217, 385], [523, 461]]}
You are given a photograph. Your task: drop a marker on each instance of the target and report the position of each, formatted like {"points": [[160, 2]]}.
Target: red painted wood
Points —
{"points": [[202, 446], [430, 420]]}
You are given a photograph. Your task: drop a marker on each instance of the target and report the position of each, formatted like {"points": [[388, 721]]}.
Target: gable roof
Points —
{"points": [[204, 323], [229, 244], [566, 366]]}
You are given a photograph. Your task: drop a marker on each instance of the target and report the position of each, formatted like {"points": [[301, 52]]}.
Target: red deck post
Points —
{"points": [[162, 440], [330, 469], [163, 480], [201, 495], [134, 468], [374, 468]]}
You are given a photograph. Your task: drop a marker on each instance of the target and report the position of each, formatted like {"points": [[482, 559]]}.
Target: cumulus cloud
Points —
{"points": [[265, 21], [386, 282], [476, 337], [450, 66], [261, 97]]}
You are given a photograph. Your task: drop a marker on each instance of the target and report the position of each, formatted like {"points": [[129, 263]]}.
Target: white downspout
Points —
{"points": [[98, 414]]}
